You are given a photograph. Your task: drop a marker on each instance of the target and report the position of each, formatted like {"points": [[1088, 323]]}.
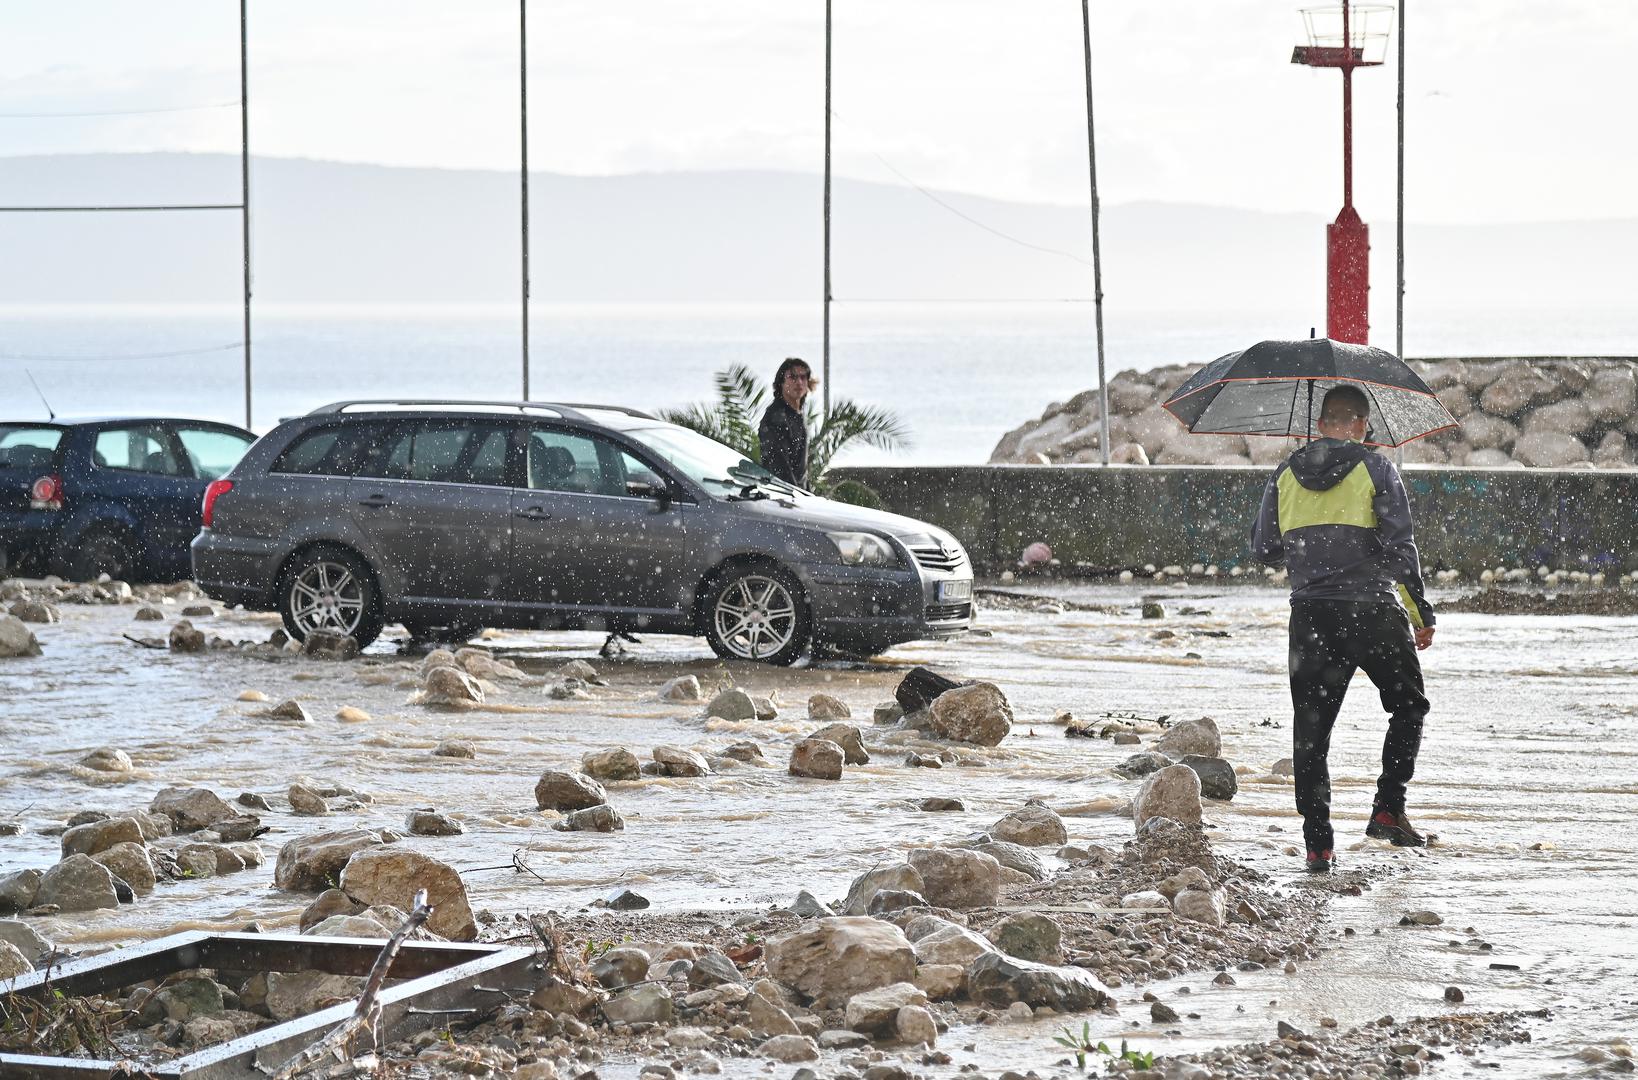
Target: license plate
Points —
{"points": [[950, 591]]}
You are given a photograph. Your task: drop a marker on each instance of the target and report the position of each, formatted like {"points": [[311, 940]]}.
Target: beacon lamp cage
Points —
{"points": [[434, 982], [1366, 43]]}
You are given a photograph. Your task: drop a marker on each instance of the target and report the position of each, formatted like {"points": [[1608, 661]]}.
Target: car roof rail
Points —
{"points": [[566, 411]]}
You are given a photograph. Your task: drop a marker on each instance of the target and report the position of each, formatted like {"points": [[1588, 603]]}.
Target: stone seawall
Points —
{"points": [[1466, 519], [1542, 412]]}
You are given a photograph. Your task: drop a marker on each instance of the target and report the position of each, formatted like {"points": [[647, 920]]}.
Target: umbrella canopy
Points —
{"points": [[1276, 387]]}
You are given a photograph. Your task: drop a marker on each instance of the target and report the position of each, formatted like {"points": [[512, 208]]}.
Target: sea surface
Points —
{"points": [[960, 374]]}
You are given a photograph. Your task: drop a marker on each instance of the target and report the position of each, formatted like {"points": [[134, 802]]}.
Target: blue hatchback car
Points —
{"points": [[110, 495]]}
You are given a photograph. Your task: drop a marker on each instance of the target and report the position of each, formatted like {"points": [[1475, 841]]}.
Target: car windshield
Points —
{"points": [[720, 469], [28, 447]]}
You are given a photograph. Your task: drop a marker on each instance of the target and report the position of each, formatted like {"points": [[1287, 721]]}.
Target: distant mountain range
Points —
{"points": [[334, 232]]}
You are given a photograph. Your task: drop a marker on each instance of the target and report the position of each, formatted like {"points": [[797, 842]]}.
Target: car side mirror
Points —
{"points": [[658, 490]]}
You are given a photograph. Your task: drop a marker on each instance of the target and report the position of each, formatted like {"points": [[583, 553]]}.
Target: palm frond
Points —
{"points": [[849, 422]]}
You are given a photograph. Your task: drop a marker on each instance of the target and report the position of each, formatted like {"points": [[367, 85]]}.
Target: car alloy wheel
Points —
{"points": [[755, 617], [326, 596]]}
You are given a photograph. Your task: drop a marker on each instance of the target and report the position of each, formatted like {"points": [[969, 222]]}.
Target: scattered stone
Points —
{"points": [[937, 804], [766, 1017], [602, 819], [1199, 906], [1154, 609], [1142, 764], [624, 900], [1223, 979], [732, 705], [849, 738], [1029, 935], [185, 639], [675, 761], [920, 761], [1014, 857], [306, 802], [18, 889], [36, 611], [1172, 793], [191, 809], [615, 763], [898, 877], [1033, 825], [253, 800], [977, 714], [130, 863], [789, 1049], [107, 759], [767, 707], [313, 863], [1217, 779], [328, 645], [818, 759], [444, 685], [831, 960], [557, 790], [377, 875], [95, 836], [12, 962], [1454, 995], [748, 752], [875, 1012], [432, 823], [887, 714], [998, 980], [956, 877], [199, 611], [290, 710], [684, 688], [579, 669], [78, 883], [951, 944], [809, 906], [823, 707], [347, 714], [941, 982], [1421, 918], [149, 613], [569, 690], [16, 639], [647, 1004], [455, 748], [329, 904], [621, 966], [1190, 877], [1191, 737], [1161, 1013]]}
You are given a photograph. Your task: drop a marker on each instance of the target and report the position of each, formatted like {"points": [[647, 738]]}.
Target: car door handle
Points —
{"points": [[532, 513], [373, 500]]}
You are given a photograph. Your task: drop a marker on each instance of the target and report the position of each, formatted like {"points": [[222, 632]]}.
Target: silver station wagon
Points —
{"points": [[451, 516]]}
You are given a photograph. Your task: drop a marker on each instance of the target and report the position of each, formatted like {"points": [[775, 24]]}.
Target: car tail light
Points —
{"points": [[215, 491], [46, 493]]}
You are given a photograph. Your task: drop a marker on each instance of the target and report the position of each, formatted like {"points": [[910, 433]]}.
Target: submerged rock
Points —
{"points": [[557, 790], [819, 759], [849, 738], [732, 705], [615, 763], [977, 714], [1191, 737]]}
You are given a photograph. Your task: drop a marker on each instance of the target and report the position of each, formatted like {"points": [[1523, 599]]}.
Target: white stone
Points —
{"points": [[1172, 792]]}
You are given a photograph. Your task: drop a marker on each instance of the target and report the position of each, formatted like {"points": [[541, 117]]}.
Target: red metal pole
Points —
{"points": [[1348, 246], [1347, 135]]}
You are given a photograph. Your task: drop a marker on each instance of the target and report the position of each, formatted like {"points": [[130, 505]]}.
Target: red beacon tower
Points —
{"points": [[1344, 38]]}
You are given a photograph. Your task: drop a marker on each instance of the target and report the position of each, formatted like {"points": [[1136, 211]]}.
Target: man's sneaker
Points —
{"points": [[1395, 828], [1320, 862]]}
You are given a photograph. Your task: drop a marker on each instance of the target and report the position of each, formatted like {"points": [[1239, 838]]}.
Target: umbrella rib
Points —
{"points": [[1393, 440], [1291, 420]]}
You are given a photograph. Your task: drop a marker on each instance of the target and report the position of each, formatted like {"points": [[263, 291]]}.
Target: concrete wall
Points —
{"points": [[1123, 516]]}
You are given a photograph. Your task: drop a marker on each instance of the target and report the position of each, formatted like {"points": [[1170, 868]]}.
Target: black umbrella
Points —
{"points": [[1276, 387]]}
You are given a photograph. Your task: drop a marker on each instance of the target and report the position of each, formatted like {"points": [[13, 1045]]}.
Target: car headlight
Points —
{"points": [[863, 549]]}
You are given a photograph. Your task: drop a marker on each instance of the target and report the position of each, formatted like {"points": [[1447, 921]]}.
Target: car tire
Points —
{"points": [[443, 633], [758, 612], [330, 588], [102, 550]]}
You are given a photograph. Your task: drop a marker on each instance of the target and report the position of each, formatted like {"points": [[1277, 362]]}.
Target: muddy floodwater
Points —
{"points": [[1528, 774]]}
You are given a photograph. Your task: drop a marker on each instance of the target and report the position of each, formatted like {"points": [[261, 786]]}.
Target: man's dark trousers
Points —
{"points": [[1329, 640]]}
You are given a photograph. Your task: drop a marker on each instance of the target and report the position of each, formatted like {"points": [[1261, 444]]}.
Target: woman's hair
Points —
{"points": [[784, 369]]}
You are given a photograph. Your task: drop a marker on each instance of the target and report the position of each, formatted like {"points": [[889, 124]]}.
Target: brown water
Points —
{"points": [[1533, 740]]}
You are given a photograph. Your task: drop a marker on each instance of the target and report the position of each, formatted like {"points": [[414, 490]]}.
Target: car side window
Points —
{"points": [[145, 448], [639, 479], [214, 452], [563, 461], [444, 452]]}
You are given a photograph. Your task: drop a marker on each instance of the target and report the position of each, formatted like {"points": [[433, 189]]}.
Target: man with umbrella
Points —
{"points": [[1336, 515]]}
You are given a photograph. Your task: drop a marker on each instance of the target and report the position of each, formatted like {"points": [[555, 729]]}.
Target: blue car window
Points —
{"points": [[141, 448], [33, 448], [213, 452]]}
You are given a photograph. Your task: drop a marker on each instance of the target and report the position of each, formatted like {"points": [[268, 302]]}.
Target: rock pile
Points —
{"points": [[1541, 412]]}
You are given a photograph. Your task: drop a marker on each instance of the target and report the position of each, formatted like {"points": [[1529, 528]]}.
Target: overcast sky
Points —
{"points": [[1517, 111]]}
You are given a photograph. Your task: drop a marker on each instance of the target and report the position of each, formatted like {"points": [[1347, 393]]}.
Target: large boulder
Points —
{"points": [[849, 738], [95, 836], [1191, 737], [1570, 417], [1612, 394], [1029, 935], [818, 759], [380, 875], [1200, 905], [22, 937], [898, 877], [830, 960], [78, 883], [1033, 825], [1489, 432], [732, 705], [957, 877], [1173, 793], [18, 889], [977, 714], [1517, 388], [1550, 449], [191, 809], [16, 639], [445, 685], [556, 790], [998, 980], [313, 863], [875, 1011], [615, 763], [130, 863], [951, 944], [1014, 857]]}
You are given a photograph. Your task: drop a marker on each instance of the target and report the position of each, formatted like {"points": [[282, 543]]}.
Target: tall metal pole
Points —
{"points": [[1097, 261], [244, 187], [826, 339], [523, 172], [1399, 225]]}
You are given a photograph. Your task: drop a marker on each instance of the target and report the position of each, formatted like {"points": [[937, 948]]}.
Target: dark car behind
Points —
{"points": [[110, 495]]}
